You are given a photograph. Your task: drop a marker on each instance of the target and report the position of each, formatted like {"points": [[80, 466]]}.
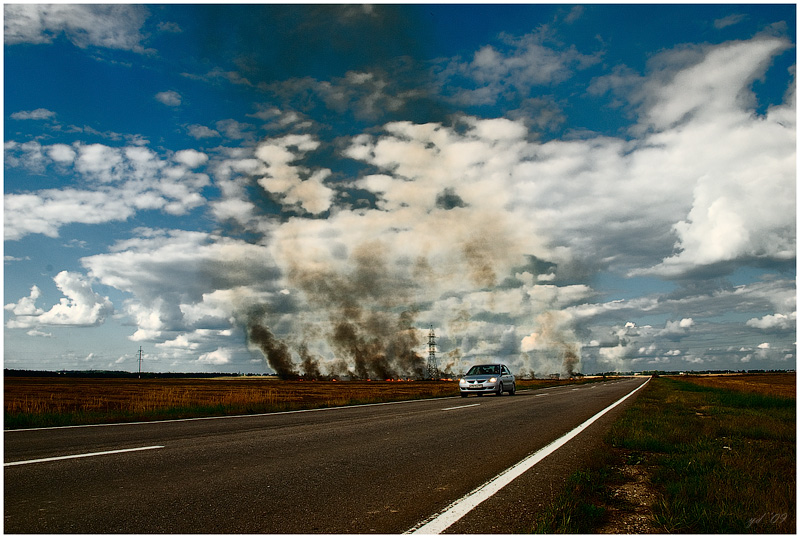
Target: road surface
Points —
{"points": [[368, 469]]}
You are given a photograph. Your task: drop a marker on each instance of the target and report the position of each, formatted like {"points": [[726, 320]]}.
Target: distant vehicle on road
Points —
{"points": [[487, 378]]}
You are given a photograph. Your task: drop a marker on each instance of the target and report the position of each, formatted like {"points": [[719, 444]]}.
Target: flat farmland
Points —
{"points": [[783, 385], [58, 401]]}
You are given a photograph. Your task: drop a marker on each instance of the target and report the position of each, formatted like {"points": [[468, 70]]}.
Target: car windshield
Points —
{"points": [[484, 370]]}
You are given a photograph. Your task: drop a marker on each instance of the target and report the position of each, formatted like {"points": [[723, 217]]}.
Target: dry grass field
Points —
{"points": [[140, 397], [44, 401], [783, 385]]}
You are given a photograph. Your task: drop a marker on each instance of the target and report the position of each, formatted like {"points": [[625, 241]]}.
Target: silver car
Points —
{"points": [[487, 378]]}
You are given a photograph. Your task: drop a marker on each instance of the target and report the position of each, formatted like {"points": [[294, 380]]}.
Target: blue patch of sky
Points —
{"points": [[613, 287]]}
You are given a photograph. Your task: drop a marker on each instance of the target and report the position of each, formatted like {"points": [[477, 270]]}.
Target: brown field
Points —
{"points": [[778, 384], [31, 401], [64, 395]]}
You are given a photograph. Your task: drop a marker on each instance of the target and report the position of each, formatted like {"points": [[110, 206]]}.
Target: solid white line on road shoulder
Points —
{"points": [[73, 456], [459, 407], [438, 523]]}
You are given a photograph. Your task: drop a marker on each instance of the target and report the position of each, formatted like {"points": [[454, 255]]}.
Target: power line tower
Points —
{"points": [[433, 369], [140, 362]]}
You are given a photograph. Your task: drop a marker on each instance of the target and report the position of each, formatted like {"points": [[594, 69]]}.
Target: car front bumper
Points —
{"points": [[481, 388]]}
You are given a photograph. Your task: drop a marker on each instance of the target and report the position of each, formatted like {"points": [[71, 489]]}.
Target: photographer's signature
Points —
{"points": [[768, 517]]}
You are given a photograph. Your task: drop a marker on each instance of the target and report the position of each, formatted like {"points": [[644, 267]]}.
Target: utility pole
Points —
{"points": [[433, 368], [140, 362]]}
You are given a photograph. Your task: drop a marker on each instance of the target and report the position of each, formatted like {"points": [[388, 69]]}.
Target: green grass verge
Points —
{"points": [[720, 461]]}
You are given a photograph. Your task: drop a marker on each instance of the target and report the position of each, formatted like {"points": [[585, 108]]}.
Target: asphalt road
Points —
{"points": [[368, 469]]}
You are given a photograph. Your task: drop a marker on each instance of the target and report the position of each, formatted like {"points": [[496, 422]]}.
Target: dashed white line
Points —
{"points": [[438, 523], [73, 456], [459, 407]]}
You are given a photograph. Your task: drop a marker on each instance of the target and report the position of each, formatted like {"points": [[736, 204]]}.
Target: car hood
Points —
{"points": [[481, 377]]}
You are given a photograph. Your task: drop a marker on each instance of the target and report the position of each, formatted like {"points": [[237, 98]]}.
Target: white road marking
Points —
{"points": [[73, 456], [538, 395], [438, 523], [459, 407]]}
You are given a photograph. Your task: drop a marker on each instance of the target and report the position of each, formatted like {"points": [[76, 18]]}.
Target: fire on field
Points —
{"points": [[60, 401], [37, 401]]}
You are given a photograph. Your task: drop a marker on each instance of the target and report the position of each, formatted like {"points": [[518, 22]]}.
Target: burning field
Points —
{"points": [[51, 401], [39, 401]]}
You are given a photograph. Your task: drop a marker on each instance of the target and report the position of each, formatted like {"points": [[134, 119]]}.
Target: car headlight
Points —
{"points": [[462, 381], [492, 380]]}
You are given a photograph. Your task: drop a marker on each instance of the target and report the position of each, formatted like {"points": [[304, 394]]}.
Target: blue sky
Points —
{"points": [[262, 188]]}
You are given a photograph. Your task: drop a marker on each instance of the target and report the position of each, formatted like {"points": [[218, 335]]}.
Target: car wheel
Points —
{"points": [[500, 390], [513, 390]]}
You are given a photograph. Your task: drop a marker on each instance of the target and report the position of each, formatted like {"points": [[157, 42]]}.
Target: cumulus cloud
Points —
{"points": [[27, 305], [216, 357], [121, 182], [113, 26], [169, 98], [774, 321], [38, 114], [674, 330], [80, 307], [700, 134], [287, 181], [184, 281]]}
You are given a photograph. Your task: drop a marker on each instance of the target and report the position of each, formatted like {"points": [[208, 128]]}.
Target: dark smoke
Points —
{"points": [[309, 363], [275, 351], [370, 326], [571, 359]]}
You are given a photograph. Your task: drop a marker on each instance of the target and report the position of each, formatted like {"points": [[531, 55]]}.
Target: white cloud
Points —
{"points": [[677, 329], [41, 334], [80, 307], [181, 281], [730, 20], [46, 211], [296, 186], [62, 153], [120, 182], [774, 321], [201, 131], [191, 158], [217, 357], [113, 26], [38, 114], [743, 165], [169, 98], [27, 305]]}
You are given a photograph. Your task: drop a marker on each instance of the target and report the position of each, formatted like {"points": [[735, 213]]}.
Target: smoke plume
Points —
{"points": [[275, 351], [553, 348], [370, 324], [309, 363]]}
